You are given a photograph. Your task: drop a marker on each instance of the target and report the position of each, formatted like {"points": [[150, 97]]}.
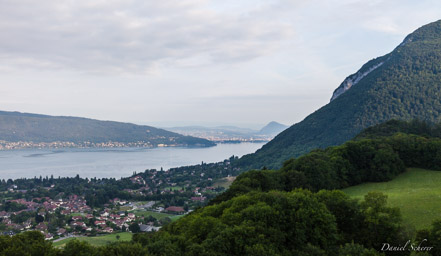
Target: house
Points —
{"points": [[115, 216], [61, 231], [108, 230], [158, 209], [41, 226], [4, 214], [148, 228], [27, 224], [100, 222], [198, 198], [65, 212], [175, 209], [9, 233], [79, 223], [76, 218]]}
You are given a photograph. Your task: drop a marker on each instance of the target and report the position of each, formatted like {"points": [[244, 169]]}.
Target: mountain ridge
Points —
{"points": [[28, 127], [405, 86]]}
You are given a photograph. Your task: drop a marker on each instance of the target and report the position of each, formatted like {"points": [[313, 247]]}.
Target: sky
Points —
{"points": [[192, 62]]}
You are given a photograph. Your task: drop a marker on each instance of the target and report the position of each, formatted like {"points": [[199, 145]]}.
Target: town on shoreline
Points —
{"points": [[75, 206]]}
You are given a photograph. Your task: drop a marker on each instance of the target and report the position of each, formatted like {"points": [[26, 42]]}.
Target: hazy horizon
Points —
{"points": [[192, 62]]}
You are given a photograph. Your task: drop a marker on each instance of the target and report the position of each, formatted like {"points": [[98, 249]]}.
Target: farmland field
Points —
{"points": [[417, 193], [98, 240]]}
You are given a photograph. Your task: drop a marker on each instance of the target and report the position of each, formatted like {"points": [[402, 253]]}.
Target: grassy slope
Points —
{"points": [[224, 182], [416, 192], [98, 240], [157, 215]]}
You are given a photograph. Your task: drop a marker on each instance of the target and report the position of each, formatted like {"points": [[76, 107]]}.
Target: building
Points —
{"points": [[175, 209]]}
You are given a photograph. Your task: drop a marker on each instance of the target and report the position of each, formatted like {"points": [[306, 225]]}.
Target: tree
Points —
{"points": [[381, 223], [257, 223], [39, 218], [431, 238], [123, 248], [351, 249], [27, 243], [78, 248], [165, 221], [134, 228]]}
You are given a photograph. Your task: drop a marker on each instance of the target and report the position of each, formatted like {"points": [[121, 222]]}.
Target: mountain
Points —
{"points": [[231, 133], [273, 128], [404, 84], [24, 127]]}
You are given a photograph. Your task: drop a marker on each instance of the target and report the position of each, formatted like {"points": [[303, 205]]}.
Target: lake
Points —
{"points": [[114, 162]]}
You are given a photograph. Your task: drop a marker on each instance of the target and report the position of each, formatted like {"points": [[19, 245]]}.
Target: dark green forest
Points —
{"points": [[406, 86]]}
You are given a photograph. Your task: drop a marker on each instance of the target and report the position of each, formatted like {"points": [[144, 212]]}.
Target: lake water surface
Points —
{"points": [[115, 162]]}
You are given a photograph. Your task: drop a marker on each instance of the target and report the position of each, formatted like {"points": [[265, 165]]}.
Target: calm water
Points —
{"points": [[120, 162]]}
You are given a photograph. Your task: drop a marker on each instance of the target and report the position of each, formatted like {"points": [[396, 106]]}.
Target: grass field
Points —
{"points": [[224, 182], [175, 188], [157, 215], [98, 240], [176, 217], [416, 192]]}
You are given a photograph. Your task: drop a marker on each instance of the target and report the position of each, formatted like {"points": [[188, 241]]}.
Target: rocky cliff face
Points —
{"points": [[353, 80], [364, 71]]}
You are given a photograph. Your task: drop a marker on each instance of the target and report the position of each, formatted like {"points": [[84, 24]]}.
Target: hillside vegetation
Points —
{"points": [[294, 210], [417, 193], [15, 126], [381, 157], [406, 86]]}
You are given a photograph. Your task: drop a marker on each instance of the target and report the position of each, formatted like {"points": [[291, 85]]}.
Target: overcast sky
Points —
{"points": [[192, 62]]}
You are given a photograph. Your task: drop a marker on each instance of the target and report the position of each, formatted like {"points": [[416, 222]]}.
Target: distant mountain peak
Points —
{"points": [[273, 128]]}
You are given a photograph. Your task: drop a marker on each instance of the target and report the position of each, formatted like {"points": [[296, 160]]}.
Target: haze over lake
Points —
{"points": [[114, 162]]}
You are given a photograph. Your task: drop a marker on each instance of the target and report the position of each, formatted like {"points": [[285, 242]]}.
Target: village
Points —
{"points": [[73, 217], [141, 203]]}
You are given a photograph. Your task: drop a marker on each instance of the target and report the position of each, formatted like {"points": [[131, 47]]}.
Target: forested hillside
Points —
{"points": [[267, 212], [15, 126], [404, 84]]}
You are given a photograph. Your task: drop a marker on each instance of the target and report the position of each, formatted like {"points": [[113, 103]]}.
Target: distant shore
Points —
{"points": [[6, 145]]}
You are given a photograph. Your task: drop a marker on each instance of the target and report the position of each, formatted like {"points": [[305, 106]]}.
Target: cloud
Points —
{"points": [[228, 61], [129, 36]]}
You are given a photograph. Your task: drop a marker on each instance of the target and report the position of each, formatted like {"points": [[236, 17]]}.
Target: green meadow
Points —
{"points": [[224, 182], [417, 193], [156, 215], [98, 240]]}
